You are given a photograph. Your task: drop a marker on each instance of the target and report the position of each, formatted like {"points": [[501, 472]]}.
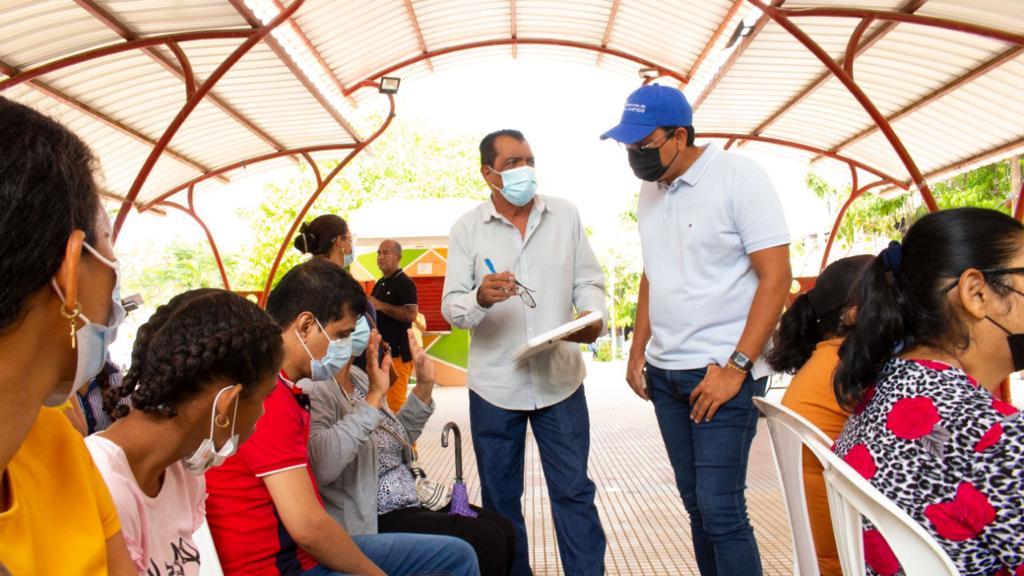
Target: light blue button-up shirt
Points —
{"points": [[555, 260]]}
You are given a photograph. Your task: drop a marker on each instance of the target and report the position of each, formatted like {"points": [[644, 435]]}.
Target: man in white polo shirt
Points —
{"points": [[716, 274]]}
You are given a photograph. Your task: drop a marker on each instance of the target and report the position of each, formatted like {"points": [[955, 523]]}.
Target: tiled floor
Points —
{"points": [[647, 528]]}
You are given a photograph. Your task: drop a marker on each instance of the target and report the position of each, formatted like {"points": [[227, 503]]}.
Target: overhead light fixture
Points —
{"points": [[389, 84], [742, 30], [649, 73]]}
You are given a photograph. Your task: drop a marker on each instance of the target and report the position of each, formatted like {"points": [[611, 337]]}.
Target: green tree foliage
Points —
{"points": [[872, 216], [160, 276], [404, 163]]}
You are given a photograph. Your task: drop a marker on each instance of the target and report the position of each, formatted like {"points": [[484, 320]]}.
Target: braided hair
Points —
{"points": [[198, 336]]}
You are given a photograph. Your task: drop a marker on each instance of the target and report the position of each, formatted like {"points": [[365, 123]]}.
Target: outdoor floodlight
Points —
{"points": [[389, 84]]}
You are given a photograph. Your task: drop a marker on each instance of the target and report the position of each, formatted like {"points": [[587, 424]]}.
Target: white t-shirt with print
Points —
{"points": [[158, 531]]}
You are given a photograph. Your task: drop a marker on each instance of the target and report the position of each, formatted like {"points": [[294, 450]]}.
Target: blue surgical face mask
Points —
{"points": [[360, 337], [92, 340], [338, 353], [519, 185], [349, 258]]}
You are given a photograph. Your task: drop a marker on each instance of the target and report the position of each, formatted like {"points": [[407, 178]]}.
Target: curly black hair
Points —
{"points": [[198, 336]]}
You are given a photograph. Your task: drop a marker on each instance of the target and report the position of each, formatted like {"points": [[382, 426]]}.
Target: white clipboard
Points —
{"points": [[552, 337]]}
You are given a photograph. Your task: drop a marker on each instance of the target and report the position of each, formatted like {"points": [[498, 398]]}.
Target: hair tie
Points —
{"points": [[892, 257]]}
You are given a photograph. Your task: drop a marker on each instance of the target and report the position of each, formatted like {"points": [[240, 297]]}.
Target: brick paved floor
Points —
{"points": [[647, 528]]}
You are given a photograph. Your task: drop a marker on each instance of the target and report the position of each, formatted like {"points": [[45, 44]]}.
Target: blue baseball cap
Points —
{"points": [[647, 108]]}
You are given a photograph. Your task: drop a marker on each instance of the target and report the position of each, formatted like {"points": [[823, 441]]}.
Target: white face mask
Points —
{"points": [[337, 356], [338, 353], [93, 340], [207, 456]]}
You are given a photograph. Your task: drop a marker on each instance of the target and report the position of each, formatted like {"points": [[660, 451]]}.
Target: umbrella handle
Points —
{"points": [[452, 426]]}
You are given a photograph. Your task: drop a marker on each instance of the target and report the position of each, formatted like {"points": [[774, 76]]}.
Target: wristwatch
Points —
{"points": [[740, 362]]}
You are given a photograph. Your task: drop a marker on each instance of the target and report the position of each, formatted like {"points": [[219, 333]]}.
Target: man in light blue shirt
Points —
{"points": [[716, 275], [548, 275]]}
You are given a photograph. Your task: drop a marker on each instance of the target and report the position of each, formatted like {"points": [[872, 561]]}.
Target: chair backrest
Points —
{"points": [[209, 563], [789, 432], [852, 498]]}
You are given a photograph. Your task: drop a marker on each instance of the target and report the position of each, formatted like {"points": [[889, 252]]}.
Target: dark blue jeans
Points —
{"points": [[413, 555], [710, 464], [562, 432]]}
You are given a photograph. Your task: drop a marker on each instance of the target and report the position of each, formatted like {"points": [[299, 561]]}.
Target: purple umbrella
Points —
{"points": [[460, 499]]}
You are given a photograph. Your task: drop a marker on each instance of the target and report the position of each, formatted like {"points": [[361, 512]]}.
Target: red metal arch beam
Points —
{"points": [[663, 71], [894, 16], [710, 45], [733, 57], [191, 211], [886, 178], [950, 86], [779, 16], [856, 193], [68, 100], [856, 46], [255, 37], [138, 44], [324, 182], [305, 151], [182, 71]]}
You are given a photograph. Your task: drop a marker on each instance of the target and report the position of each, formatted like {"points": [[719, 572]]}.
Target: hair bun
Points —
{"points": [[305, 240]]}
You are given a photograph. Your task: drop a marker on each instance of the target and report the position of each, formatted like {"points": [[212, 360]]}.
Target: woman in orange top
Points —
{"points": [[807, 344], [59, 310]]}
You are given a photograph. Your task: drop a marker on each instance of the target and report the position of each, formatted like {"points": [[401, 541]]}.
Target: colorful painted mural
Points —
{"points": [[446, 345]]}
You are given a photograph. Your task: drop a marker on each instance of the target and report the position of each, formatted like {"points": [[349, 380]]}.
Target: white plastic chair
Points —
{"points": [[209, 563], [852, 498], [789, 432]]}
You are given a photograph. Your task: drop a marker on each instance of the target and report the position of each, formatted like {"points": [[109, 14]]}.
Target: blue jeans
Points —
{"points": [[710, 464], [562, 432], [413, 555]]}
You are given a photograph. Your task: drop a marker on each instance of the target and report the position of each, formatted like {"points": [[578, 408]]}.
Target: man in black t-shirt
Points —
{"points": [[394, 297]]}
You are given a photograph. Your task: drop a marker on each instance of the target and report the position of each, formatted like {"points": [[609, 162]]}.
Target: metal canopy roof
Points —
{"points": [[179, 95]]}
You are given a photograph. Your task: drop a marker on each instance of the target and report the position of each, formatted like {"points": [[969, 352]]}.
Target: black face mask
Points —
{"points": [[1016, 342], [646, 164]]}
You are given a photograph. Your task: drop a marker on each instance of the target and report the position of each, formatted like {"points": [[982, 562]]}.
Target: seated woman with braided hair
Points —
{"points": [[200, 370]]}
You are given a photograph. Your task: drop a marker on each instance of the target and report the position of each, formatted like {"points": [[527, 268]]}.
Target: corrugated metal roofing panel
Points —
{"points": [[260, 87], [358, 38], [128, 87], [579, 20], [823, 118], [671, 33], [774, 69], [120, 156], [36, 31], [152, 17], [451, 22], [1001, 14]]}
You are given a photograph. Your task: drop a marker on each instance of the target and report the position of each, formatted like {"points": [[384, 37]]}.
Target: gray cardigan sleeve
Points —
{"points": [[414, 415], [335, 436]]}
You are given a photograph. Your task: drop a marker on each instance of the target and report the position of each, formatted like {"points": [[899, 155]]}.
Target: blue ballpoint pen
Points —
{"points": [[490, 266]]}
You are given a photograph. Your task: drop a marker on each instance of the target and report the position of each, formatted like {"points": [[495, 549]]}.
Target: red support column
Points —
{"points": [[316, 194], [191, 211], [191, 105], [780, 17]]}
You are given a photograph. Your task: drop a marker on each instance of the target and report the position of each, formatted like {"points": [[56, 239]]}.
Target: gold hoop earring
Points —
{"points": [[221, 421], [72, 317]]}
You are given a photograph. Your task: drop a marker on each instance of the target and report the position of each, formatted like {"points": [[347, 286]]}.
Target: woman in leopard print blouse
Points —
{"points": [[926, 429]]}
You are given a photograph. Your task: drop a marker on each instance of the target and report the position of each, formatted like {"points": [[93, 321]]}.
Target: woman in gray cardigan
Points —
{"points": [[358, 449]]}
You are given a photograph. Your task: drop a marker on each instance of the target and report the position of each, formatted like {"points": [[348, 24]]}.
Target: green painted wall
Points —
{"points": [[452, 348]]}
